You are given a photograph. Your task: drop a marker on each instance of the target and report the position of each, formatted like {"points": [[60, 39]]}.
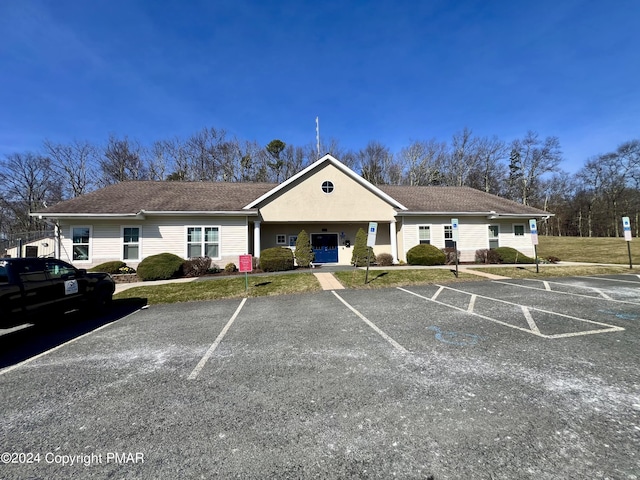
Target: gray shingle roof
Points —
{"points": [[455, 199], [131, 197]]}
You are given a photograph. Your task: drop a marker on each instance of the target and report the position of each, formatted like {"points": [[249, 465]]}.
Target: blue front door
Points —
{"points": [[325, 247]]}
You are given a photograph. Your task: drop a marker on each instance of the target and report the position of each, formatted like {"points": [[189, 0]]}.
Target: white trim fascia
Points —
{"points": [[517, 216], [340, 166], [142, 214], [88, 216], [191, 213]]}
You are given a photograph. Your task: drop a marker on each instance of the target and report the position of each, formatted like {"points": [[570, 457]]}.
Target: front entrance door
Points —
{"points": [[325, 247]]}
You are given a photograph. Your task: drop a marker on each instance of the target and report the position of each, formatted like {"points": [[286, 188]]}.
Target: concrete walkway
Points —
{"points": [[328, 281]]}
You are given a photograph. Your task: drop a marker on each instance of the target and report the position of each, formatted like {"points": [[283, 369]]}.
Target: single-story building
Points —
{"points": [[41, 247], [132, 220]]}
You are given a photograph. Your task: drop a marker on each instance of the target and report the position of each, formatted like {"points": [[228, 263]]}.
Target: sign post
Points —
{"points": [[533, 227], [455, 236], [371, 241], [626, 226], [246, 266]]}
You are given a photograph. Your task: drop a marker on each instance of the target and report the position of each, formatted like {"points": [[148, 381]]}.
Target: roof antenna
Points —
{"points": [[318, 135]]}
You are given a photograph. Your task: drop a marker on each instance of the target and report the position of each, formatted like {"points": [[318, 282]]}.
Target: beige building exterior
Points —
{"points": [[133, 220]]}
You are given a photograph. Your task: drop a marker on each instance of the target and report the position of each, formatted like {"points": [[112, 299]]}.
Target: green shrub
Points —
{"points": [[160, 267], [511, 255], [360, 250], [109, 267], [196, 267], [304, 252], [230, 267], [384, 259], [276, 259], [425, 254]]}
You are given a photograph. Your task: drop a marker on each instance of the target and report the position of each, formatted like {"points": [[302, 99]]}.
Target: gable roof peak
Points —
{"points": [[328, 158]]}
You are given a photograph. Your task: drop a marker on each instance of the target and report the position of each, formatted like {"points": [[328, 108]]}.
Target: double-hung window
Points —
{"points": [[203, 242], [80, 238], [424, 234], [131, 243], [448, 237], [494, 236]]}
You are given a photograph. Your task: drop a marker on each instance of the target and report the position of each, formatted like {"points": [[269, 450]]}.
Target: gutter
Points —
{"points": [[142, 214]]}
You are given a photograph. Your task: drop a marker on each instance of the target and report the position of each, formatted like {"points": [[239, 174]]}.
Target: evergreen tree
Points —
{"points": [[304, 251], [360, 249]]}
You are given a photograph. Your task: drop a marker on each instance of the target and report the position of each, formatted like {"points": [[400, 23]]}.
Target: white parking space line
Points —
{"points": [[472, 303], [470, 313], [619, 280], [533, 328], [562, 293], [602, 294], [395, 344], [546, 286], [435, 295], [527, 315], [216, 342]]}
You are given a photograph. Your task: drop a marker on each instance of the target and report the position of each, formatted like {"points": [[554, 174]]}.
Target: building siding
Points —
{"points": [[473, 235], [158, 235]]}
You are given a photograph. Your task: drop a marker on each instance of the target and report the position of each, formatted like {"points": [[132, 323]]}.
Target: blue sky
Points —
{"points": [[391, 71]]}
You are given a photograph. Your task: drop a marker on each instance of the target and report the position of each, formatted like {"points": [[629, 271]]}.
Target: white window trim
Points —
{"points": [[496, 238], [202, 242], [294, 243], [90, 227], [284, 240], [122, 244], [430, 232], [524, 230], [444, 231]]}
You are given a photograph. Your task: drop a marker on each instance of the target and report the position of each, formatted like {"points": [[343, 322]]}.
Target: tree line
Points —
{"points": [[526, 170]]}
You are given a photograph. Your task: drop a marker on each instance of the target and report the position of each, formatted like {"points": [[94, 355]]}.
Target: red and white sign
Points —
{"points": [[246, 263]]}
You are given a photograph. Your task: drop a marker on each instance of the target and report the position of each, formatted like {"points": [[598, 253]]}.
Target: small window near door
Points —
{"points": [[494, 234], [281, 239], [518, 230], [424, 234], [292, 240]]}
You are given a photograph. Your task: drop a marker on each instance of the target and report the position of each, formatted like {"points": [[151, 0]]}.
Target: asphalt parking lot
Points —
{"points": [[531, 379]]}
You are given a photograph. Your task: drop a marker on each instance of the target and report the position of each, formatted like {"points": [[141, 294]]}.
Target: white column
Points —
{"points": [[256, 239], [394, 240]]}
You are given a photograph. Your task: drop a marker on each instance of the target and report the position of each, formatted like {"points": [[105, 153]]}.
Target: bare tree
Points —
{"points": [[463, 158], [122, 160], [75, 164], [488, 172], [375, 161], [28, 184], [424, 162], [534, 158]]}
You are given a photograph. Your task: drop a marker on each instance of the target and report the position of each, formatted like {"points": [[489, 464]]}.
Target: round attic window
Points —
{"points": [[327, 186]]}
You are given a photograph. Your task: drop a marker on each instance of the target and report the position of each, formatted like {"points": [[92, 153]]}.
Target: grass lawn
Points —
{"points": [[594, 250], [232, 287], [529, 271], [397, 278]]}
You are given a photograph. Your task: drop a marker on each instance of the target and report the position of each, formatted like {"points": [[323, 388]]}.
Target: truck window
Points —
{"points": [[57, 270], [4, 274]]}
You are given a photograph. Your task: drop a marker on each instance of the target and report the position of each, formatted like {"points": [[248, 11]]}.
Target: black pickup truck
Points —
{"points": [[37, 289]]}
